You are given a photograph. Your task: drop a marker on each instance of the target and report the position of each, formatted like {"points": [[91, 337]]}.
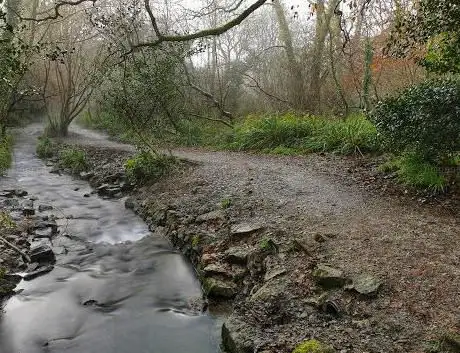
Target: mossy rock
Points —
{"points": [[313, 346]]}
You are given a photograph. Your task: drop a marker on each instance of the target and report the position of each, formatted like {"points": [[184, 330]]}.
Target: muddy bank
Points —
{"points": [[302, 260]]}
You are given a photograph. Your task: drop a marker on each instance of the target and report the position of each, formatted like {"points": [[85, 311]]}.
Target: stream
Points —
{"points": [[115, 288]]}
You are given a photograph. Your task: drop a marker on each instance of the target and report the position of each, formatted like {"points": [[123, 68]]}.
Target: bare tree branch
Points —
{"points": [[56, 10], [161, 38]]}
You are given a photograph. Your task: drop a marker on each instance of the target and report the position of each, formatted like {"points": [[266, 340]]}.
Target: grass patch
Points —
{"points": [[45, 147], [73, 159], [413, 170], [146, 167], [290, 134], [6, 151]]}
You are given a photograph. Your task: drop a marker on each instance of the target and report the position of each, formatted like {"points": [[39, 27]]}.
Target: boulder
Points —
{"points": [[42, 254], [217, 288], [217, 269], [38, 272], [366, 284], [238, 255], [238, 336], [271, 289], [328, 277]]}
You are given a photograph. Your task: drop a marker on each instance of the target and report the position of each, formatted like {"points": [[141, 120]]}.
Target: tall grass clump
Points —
{"points": [[413, 170], [73, 159], [291, 134], [268, 132], [6, 151], [45, 147], [354, 134]]}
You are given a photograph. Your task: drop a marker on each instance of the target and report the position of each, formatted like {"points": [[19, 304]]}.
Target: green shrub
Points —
{"points": [[45, 147], [147, 167], [424, 118], [73, 159], [6, 150]]}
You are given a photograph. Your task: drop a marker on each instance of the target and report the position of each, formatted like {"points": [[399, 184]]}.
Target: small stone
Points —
{"points": [[43, 233], [130, 203], [27, 211], [20, 193], [86, 175], [42, 208], [328, 276], [86, 195], [55, 170]]}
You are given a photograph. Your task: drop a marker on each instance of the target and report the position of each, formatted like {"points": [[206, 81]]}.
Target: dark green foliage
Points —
{"points": [[73, 159], [6, 150], [45, 147], [434, 25], [424, 118], [146, 167]]}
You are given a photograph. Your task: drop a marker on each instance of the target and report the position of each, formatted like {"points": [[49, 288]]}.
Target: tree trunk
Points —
{"points": [[323, 19], [296, 82]]}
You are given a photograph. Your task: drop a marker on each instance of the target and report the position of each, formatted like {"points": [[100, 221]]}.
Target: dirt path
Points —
{"points": [[414, 249]]}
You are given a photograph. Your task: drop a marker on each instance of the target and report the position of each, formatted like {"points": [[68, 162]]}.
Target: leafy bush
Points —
{"points": [[45, 147], [73, 159], [147, 167], [424, 118], [6, 150]]}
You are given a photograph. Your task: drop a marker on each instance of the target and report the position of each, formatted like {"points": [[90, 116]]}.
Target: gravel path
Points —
{"points": [[413, 248]]}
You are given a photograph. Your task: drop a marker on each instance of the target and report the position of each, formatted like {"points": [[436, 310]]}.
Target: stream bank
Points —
{"points": [[299, 255]]}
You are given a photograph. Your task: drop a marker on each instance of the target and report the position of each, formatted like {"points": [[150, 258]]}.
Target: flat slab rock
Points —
{"points": [[245, 229]]}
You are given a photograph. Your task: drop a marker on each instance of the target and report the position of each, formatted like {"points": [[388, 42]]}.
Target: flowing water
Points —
{"points": [[115, 288]]}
